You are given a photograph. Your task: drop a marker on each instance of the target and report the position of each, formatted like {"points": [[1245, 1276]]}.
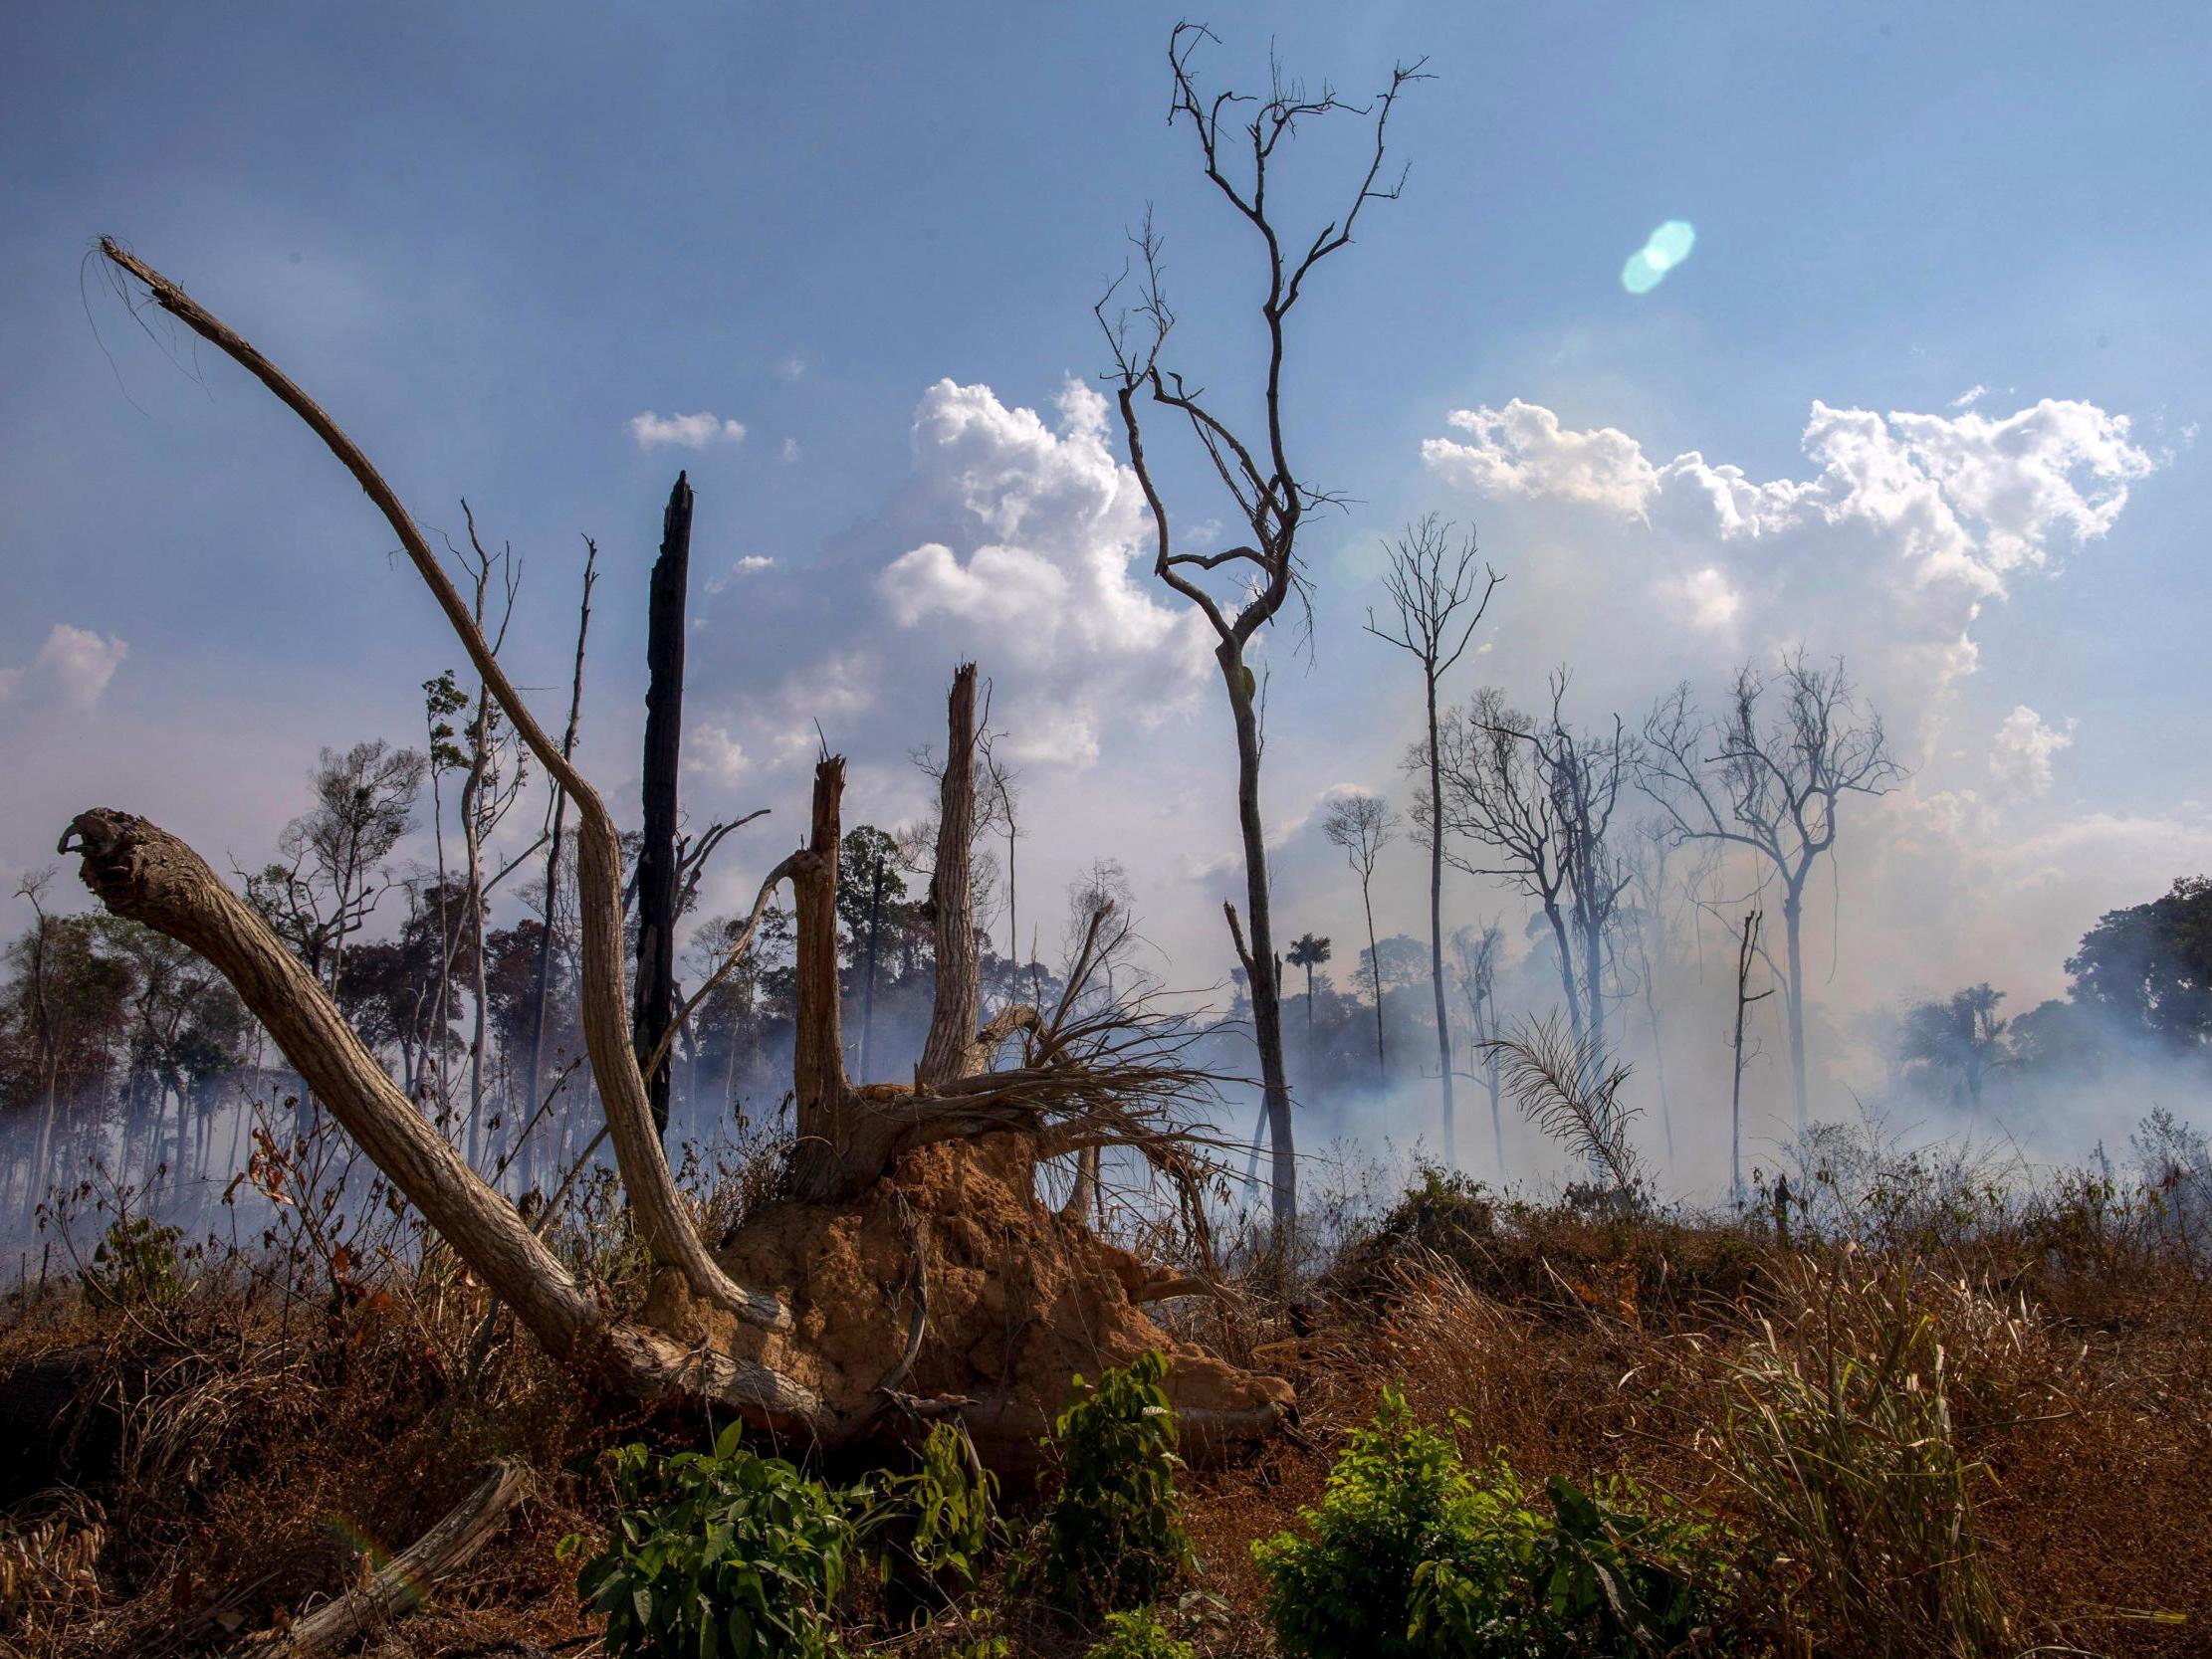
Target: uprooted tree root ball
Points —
{"points": [[1020, 1300]]}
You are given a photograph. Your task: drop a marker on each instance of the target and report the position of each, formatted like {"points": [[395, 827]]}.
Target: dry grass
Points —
{"points": [[2036, 1382]]}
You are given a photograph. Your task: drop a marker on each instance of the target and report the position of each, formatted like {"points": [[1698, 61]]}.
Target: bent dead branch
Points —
{"points": [[661, 1222]]}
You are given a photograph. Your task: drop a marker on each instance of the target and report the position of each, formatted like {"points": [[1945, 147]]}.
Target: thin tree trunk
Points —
{"points": [[1497, 1113], [1435, 924], [1373, 978], [472, 838], [1794, 996], [657, 873], [1744, 952], [868, 986], [543, 972], [1593, 972], [1260, 963], [1566, 968]]}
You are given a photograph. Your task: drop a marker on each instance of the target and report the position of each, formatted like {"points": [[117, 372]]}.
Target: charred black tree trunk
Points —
{"points": [[653, 1000]]}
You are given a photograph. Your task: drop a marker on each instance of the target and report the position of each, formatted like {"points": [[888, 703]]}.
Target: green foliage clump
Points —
{"points": [[1112, 1538], [1411, 1554], [723, 1556], [953, 1502], [1138, 1634], [133, 1263], [1609, 1574]]}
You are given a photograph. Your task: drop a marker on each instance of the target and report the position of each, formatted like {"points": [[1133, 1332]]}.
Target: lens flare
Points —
{"points": [[1664, 249]]}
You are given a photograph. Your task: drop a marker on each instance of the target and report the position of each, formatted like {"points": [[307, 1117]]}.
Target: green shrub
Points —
{"points": [[1138, 1635], [952, 1502], [1609, 1574], [723, 1556], [1397, 1498], [135, 1262], [1112, 1536], [1412, 1556]]}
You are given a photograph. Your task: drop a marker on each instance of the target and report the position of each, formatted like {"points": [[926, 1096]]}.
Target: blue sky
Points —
{"points": [[490, 236]]}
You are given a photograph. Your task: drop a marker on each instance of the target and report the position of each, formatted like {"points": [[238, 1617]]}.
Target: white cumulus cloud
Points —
{"points": [[710, 751], [684, 431], [1907, 525], [1523, 450], [1041, 528], [73, 666], [2020, 755]]}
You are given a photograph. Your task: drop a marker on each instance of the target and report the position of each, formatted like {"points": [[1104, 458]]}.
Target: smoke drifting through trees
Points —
{"points": [[1771, 781], [1533, 800]]}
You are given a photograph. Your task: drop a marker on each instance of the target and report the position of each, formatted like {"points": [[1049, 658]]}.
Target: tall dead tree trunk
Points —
{"points": [[657, 872]]}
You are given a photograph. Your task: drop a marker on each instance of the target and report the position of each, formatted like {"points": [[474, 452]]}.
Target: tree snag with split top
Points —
{"points": [[908, 1271]]}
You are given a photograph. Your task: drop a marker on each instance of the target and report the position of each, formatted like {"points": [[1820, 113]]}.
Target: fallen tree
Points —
{"points": [[909, 1271]]}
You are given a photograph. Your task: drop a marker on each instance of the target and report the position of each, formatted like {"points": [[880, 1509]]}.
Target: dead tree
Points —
{"points": [[1270, 498], [1540, 795], [1497, 802], [1586, 773], [1362, 825], [664, 742], [1430, 582], [1747, 948], [492, 783], [1770, 780], [1477, 956], [908, 1272], [556, 825]]}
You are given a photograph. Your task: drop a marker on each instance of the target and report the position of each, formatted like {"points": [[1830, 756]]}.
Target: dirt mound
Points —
{"points": [[1014, 1303]]}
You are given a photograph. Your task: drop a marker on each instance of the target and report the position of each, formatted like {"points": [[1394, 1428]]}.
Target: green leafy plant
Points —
{"points": [[1398, 1498], [135, 1262], [1112, 1536], [952, 1502], [953, 1507], [723, 1556], [1138, 1634], [1411, 1555], [1611, 1575]]}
